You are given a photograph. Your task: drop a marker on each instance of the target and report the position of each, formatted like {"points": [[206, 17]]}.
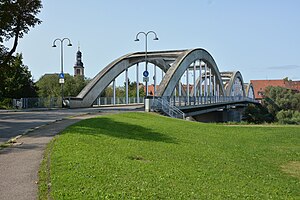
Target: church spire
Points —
{"points": [[78, 68]]}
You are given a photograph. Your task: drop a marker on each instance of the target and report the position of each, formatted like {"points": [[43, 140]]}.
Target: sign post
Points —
{"points": [[62, 81]]}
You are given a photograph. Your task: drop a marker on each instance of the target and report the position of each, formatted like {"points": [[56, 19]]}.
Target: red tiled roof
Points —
{"points": [[260, 85]]}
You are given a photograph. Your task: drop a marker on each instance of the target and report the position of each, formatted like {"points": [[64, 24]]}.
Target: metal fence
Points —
{"points": [[117, 101], [25, 103], [205, 100], [169, 105], [163, 104]]}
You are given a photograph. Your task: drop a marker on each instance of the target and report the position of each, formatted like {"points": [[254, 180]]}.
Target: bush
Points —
{"points": [[288, 117], [257, 114], [6, 103]]}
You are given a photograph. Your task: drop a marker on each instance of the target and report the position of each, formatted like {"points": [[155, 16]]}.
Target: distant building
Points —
{"points": [[151, 89], [259, 86], [78, 67]]}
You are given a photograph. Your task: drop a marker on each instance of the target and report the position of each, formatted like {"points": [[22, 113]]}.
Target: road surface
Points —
{"points": [[17, 123]]}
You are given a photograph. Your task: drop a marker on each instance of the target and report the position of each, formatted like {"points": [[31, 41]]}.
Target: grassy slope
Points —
{"points": [[153, 157]]}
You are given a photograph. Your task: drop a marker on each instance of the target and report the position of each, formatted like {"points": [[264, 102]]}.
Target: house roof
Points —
{"points": [[260, 85]]}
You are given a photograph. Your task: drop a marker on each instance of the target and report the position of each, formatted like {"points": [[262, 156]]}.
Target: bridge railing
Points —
{"points": [[205, 100], [170, 105], [25, 103], [163, 104], [100, 101]]}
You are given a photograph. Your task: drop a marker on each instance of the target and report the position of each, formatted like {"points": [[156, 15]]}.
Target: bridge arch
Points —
{"points": [[178, 68], [91, 92], [233, 83], [249, 90], [235, 86], [174, 63]]}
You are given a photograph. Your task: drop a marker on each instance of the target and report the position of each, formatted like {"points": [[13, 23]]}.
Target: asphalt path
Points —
{"points": [[19, 164], [17, 123]]}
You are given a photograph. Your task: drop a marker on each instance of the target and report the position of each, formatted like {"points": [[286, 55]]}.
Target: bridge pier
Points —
{"points": [[227, 115]]}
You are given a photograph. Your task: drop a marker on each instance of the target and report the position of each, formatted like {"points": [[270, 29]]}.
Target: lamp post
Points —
{"points": [[146, 44], [62, 64]]}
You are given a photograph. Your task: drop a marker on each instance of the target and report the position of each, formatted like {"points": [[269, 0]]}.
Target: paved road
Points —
{"points": [[17, 123], [19, 164]]}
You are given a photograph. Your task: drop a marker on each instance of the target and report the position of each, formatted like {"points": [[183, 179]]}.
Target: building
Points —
{"points": [[78, 67], [259, 86], [151, 89]]}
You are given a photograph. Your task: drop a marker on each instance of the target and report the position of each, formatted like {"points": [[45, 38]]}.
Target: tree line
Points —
{"points": [[17, 17], [280, 105]]}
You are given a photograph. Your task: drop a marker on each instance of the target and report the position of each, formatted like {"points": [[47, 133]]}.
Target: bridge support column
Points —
{"points": [[114, 92], [137, 84], [214, 90], [210, 117], [154, 79], [233, 115], [126, 85], [179, 92], [200, 81], [218, 92], [187, 87], [194, 82], [210, 84], [205, 84]]}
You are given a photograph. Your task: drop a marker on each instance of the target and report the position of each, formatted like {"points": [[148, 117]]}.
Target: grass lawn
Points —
{"points": [[147, 156]]}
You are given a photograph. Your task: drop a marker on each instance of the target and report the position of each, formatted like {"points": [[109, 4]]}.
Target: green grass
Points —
{"points": [[147, 156]]}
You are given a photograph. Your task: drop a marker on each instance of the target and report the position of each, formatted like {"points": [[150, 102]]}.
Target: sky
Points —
{"points": [[261, 39]]}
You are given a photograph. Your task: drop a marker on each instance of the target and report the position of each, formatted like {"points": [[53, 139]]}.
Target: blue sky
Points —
{"points": [[259, 38]]}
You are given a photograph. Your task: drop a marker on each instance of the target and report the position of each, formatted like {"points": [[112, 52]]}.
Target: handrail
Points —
{"points": [[206, 100], [168, 105], [164, 105]]}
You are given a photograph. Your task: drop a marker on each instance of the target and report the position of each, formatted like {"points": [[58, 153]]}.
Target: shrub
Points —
{"points": [[288, 117], [6, 103]]}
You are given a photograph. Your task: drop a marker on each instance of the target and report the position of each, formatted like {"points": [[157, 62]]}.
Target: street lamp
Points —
{"points": [[62, 64], [146, 66]]}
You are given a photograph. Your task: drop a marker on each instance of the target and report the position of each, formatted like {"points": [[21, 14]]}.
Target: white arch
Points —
{"points": [[173, 63], [179, 67], [250, 90], [236, 76], [89, 94]]}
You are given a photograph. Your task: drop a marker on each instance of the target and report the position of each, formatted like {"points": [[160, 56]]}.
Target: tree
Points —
{"points": [[48, 85], [257, 114], [280, 104], [120, 90], [283, 104], [16, 81], [288, 117], [279, 98], [74, 85], [17, 17]]}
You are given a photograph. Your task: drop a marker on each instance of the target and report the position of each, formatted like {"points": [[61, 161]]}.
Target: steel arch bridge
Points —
{"points": [[190, 76]]}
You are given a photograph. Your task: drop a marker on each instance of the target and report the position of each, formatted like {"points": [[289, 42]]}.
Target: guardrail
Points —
{"points": [[117, 101], [205, 100], [25, 103], [170, 105]]}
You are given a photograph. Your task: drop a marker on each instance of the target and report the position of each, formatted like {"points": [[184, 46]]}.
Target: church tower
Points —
{"points": [[78, 67]]}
